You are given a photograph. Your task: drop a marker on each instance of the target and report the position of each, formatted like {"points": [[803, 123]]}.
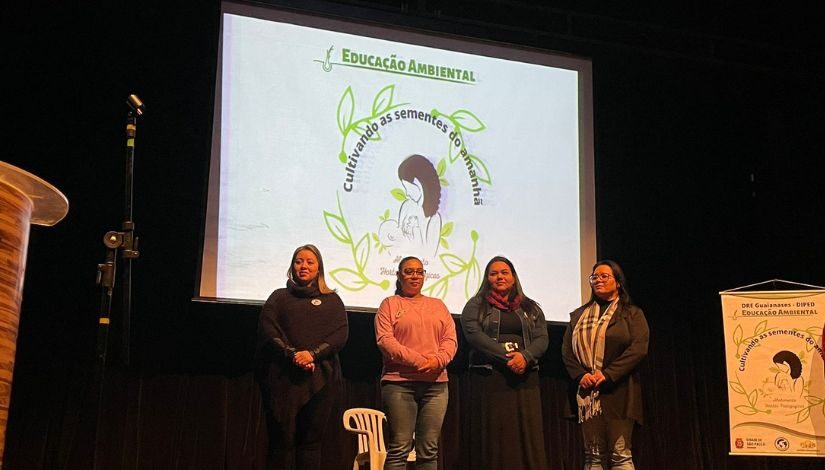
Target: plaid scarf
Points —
{"points": [[588, 345]]}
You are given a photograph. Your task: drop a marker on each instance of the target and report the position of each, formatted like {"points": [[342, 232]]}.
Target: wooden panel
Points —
{"points": [[15, 214]]}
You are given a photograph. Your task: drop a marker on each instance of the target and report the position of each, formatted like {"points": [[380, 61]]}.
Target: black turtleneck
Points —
{"points": [[302, 318], [603, 304], [299, 318]]}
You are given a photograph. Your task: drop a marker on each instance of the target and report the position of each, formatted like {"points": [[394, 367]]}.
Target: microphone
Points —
{"points": [[135, 104]]}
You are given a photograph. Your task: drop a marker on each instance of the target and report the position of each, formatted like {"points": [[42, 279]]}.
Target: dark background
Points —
{"points": [[708, 159]]}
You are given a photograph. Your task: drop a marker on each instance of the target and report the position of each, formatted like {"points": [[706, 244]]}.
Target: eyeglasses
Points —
{"points": [[414, 272], [600, 277]]}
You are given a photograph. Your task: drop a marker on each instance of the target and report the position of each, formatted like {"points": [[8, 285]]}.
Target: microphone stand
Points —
{"points": [[125, 241]]}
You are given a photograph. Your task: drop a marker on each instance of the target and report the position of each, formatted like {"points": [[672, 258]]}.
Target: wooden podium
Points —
{"points": [[24, 199]]}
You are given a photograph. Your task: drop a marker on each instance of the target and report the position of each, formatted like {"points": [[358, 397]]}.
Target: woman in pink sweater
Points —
{"points": [[417, 338]]}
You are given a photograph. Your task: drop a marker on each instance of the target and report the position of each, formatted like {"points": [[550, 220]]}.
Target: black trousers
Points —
{"points": [[295, 439]]}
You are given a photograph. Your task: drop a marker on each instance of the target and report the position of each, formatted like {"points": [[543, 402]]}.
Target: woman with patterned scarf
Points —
{"points": [[507, 335], [603, 345]]}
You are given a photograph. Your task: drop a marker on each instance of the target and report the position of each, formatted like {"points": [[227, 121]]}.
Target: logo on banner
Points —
{"points": [[739, 443], [782, 444]]}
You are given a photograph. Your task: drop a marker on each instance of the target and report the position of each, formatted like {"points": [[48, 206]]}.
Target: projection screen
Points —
{"points": [[375, 143]]}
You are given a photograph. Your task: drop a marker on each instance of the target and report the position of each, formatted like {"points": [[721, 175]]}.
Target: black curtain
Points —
{"points": [[154, 419]]}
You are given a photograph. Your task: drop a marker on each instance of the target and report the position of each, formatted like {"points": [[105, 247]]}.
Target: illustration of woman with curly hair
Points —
{"points": [[418, 227], [789, 374]]}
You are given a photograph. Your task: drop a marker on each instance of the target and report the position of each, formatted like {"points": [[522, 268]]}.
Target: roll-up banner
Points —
{"points": [[775, 373]]}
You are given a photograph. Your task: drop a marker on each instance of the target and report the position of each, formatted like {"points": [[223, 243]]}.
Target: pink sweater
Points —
{"points": [[408, 330]]}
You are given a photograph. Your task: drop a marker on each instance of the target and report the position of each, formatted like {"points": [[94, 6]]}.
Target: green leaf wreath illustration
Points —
{"points": [[348, 124], [351, 279], [740, 340], [457, 268], [464, 270], [752, 397], [465, 120], [805, 412]]}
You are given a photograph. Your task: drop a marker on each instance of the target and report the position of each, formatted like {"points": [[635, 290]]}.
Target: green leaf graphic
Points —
{"points": [[442, 167], [482, 173], [348, 279], [444, 244], [336, 227], [467, 120], [737, 335], [453, 152], [746, 410], [443, 182], [760, 328], [737, 387], [447, 229], [353, 280], [399, 194], [752, 397], [813, 400], [346, 109], [359, 127], [362, 252], [453, 263], [441, 291], [383, 100], [472, 280]]}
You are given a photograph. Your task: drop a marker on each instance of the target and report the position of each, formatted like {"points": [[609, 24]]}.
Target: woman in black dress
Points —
{"points": [[300, 331], [507, 335]]}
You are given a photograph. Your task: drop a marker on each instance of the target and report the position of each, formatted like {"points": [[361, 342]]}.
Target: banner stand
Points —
{"points": [[773, 283], [775, 371]]}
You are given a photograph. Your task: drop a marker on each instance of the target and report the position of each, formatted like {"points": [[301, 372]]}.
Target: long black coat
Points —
{"points": [[625, 346]]}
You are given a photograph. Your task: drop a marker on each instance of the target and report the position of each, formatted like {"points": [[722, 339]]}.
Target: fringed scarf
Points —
{"points": [[502, 303], [588, 345]]}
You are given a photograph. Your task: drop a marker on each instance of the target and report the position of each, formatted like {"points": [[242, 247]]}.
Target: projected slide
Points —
{"points": [[374, 149]]}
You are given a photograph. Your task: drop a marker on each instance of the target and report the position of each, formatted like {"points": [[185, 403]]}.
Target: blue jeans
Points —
{"points": [[607, 443], [414, 407]]}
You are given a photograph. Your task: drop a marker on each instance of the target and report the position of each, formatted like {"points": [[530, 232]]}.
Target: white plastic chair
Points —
{"points": [[369, 425]]}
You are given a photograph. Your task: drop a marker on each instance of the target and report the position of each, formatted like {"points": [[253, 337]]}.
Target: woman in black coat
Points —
{"points": [[603, 345], [300, 331]]}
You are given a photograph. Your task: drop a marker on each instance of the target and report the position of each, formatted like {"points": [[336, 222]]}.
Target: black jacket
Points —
{"points": [[481, 328], [625, 346]]}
